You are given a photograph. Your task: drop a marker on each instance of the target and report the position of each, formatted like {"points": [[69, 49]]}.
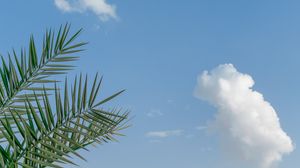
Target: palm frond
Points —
{"points": [[30, 71], [36, 131], [47, 138]]}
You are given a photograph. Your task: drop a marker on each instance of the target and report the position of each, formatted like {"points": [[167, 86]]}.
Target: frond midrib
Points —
{"points": [[25, 84]]}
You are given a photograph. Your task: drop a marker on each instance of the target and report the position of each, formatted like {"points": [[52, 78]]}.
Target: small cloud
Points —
{"points": [[100, 8], [63, 5], [164, 134], [154, 113], [201, 128]]}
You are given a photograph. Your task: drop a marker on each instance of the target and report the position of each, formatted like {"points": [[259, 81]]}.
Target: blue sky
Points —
{"points": [[156, 49]]}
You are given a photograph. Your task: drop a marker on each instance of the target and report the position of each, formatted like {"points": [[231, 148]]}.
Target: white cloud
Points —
{"points": [[154, 113], [63, 5], [248, 125], [100, 8], [201, 128], [164, 134]]}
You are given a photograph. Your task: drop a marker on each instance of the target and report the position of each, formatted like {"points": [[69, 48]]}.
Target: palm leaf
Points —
{"points": [[29, 72], [46, 142], [41, 125]]}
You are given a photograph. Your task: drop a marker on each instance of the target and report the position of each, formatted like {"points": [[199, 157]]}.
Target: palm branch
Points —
{"points": [[41, 124], [28, 72]]}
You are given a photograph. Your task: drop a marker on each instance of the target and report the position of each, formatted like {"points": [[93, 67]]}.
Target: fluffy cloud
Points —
{"points": [[164, 134], [247, 124], [100, 8]]}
